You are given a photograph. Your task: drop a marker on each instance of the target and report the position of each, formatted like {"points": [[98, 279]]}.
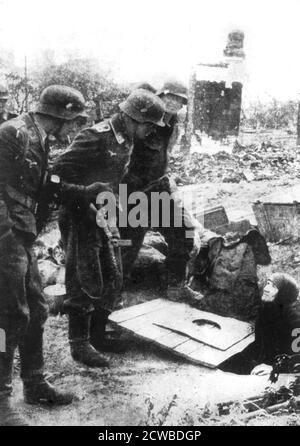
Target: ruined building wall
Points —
{"points": [[215, 93], [217, 109]]}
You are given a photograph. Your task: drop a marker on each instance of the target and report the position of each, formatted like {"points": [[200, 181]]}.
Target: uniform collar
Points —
{"points": [[42, 132], [118, 129], [43, 137], [169, 117]]}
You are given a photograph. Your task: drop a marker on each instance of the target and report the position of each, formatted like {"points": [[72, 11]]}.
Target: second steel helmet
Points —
{"points": [[144, 106], [176, 88], [61, 101]]}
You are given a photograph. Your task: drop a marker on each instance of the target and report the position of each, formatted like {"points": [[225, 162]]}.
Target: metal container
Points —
{"points": [[278, 221]]}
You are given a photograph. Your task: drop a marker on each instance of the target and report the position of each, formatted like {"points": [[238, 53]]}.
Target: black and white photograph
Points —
{"points": [[149, 216]]}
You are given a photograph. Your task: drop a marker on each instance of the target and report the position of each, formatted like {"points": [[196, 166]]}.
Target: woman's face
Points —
{"points": [[270, 292]]}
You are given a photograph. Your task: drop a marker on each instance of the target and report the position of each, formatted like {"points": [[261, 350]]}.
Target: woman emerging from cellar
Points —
{"points": [[277, 330]]}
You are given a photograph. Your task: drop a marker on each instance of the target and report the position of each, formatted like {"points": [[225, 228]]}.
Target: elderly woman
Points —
{"points": [[277, 323], [277, 329]]}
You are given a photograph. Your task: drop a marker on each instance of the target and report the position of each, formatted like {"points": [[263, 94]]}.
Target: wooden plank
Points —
{"points": [[144, 319], [193, 351], [165, 347], [143, 327], [221, 339], [188, 347], [210, 357], [223, 335], [214, 357], [138, 310], [174, 309], [172, 340]]}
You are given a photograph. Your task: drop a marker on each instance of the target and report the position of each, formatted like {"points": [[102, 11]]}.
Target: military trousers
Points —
{"points": [[179, 237], [93, 267], [23, 309]]}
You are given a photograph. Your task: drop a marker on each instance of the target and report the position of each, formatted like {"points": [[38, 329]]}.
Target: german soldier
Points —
{"points": [[93, 268], [24, 153], [147, 172]]}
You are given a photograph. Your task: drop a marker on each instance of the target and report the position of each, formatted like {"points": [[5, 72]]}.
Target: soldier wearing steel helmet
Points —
{"points": [[24, 176], [174, 95], [4, 96], [93, 268], [148, 171], [157, 146]]}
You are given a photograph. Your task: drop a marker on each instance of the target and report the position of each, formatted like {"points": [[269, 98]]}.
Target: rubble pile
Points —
{"points": [[254, 162], [275, 400]]}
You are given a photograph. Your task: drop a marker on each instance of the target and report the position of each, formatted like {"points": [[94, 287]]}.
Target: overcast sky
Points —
{"points": [[143, 39]]}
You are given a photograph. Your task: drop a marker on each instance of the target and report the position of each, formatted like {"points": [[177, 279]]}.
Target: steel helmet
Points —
{"points": [[176, 88], [144, 106], [61, 101]]}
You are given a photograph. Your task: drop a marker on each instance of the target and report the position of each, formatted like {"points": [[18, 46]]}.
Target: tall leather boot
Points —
{"points": [[9, 415], [36, 388], [79, 338], [99, 338]]}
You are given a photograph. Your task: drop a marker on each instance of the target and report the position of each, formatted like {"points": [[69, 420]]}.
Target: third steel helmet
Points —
{"points": [[176, 88]]}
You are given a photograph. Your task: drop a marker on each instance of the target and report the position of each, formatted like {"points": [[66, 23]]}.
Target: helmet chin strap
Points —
{"points": [[59, 129]]}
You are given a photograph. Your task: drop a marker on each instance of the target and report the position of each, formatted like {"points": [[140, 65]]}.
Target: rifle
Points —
{"points": [[113, 241]]}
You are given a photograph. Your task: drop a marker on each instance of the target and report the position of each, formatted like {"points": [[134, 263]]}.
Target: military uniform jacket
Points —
{"points": [[148, 167], [23, 166], [149, 159], [99, 153]]}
